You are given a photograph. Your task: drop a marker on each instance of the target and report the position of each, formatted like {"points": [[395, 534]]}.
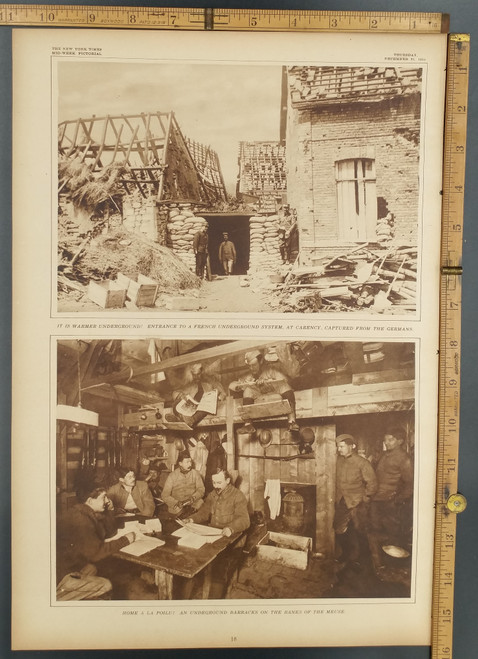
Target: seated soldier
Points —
{"points": [[131, 496], [184, 488], [265, 379], [197, 384], [81, 535], [225, 508]]}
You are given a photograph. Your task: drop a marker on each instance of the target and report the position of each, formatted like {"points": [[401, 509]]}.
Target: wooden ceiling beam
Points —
{"points": [[224, 350], [123, 394]]}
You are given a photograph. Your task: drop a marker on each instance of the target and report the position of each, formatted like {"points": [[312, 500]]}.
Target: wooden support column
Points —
{"points": [[230, 448], [325, 458], [62, 460]]}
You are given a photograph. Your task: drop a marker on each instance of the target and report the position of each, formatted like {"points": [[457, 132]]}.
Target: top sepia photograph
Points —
{"points": [[224, 187]]}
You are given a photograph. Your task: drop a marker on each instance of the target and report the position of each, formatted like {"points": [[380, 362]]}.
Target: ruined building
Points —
{"points": [[353, 138], [346, 164]]}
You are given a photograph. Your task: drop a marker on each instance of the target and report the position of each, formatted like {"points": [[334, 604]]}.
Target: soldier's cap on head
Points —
{"points": [[348, 439], [251, 355], [183, 455]]}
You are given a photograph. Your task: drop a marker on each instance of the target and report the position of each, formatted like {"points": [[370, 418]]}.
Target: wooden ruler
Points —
{"points": [[162, 18], [448, 501]]}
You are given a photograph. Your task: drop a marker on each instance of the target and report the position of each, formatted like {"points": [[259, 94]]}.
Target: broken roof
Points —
{"points": [[327, 85]]}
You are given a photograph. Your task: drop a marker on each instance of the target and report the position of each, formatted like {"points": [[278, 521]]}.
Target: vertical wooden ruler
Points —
{"points": [[448, 501]]}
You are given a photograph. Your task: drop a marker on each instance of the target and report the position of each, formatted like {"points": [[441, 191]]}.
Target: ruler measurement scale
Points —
{"points": [[163, 18], [448, 503], [452, 217]]}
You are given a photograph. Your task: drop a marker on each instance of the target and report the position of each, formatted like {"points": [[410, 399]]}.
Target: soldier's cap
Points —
{"points": [[251, 355], [348, 439], [183, 455]]}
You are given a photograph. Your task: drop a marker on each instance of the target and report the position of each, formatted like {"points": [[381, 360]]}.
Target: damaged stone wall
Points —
{"points": [[139, 214], [387, 131]]}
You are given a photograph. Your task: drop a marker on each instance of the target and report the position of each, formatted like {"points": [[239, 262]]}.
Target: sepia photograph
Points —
{"points": [[251, 470], [213, 470], [243, 188]]}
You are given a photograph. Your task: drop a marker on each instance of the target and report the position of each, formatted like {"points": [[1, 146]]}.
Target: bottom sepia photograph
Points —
{"points": [[233, 469]]}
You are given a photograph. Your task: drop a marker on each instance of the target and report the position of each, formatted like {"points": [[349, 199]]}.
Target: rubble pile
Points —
{"points": [[102, 258], [373, 277], [182, 226], [265, 253]]}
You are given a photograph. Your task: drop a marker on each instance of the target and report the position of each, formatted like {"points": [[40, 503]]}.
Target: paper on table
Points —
{"points": [[128, 528], [186, 533], [142, 546], [150, 526], [193, 541], [200, 529]]}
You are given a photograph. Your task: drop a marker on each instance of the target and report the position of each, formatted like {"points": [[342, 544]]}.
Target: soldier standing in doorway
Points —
{"points": [[200, 246], [227, 254]]}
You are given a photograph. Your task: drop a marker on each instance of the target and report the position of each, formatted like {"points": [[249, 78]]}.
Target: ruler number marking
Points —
{"points": [[50, 17]]}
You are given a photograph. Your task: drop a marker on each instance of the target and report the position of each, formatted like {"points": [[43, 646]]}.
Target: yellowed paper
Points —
{"points": [[223, 87]]}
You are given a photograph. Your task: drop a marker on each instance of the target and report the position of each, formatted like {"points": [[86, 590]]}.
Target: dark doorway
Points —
{"points": [[237, 226]]}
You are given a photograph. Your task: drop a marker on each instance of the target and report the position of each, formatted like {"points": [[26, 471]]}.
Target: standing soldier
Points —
{"points": [[355, 485], [391, 507], [200, 246], [227, 254], [292, 241]]}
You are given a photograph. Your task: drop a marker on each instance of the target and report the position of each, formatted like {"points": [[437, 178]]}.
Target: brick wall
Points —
{"points": [[387, 131]]}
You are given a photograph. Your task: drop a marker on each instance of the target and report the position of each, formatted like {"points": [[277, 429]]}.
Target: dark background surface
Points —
{"points": [[464, 18]]}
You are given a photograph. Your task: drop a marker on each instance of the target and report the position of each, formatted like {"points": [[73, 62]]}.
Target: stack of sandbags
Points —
{"points": [[384, 228], [265, 253], [182, 227]]}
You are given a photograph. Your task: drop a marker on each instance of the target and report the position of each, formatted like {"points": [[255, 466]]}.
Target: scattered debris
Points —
{"points": [[107, 294], [104, 258], [380, 278]]}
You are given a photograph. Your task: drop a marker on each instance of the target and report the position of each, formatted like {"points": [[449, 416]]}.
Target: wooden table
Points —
{"points": [[169, 560]]}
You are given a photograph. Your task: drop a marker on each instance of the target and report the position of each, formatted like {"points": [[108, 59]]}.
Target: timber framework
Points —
{"points": [[159, 160]]}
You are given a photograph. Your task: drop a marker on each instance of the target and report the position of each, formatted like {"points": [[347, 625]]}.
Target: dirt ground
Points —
{"points": [[222, 294], [227, 294]]}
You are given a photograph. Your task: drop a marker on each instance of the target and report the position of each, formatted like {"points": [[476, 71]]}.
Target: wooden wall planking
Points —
{"points": [[325, 459]]}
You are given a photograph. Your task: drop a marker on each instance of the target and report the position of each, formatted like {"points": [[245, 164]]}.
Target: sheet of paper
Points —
{"points": [[142, 546], [200, 529]]}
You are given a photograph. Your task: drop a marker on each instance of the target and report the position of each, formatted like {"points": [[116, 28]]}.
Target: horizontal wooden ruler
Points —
{"points": [[163, 18], [448, 500]]}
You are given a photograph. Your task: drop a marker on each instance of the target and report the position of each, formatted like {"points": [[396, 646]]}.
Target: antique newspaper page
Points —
{"points": [[226, 260]]}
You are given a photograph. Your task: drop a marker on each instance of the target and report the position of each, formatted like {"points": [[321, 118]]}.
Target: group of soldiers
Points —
{"points": [[227, 252], [373, 508]]}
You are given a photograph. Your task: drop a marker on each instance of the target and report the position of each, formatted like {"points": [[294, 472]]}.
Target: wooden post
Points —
{"points": [[230, 448], [325, 458], [62, 459]]}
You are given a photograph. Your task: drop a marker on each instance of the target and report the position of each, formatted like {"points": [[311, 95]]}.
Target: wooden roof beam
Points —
{"points": [[223, 350]]}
